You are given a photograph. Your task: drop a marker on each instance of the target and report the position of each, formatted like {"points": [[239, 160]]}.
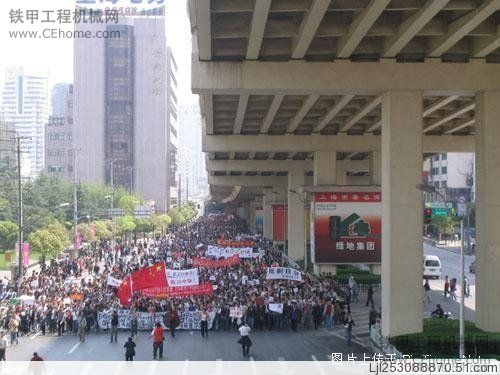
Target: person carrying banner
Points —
{"points": [[114, 327], [133, 325], [174, 321], [158, 339], [82, 326], [244, 340]]}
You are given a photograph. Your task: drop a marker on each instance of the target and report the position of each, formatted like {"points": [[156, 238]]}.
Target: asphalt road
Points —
{"points": [[450, 263], [188, 345]]}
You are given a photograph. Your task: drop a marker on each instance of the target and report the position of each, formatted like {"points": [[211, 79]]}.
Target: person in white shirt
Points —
{"points": [[244, 340]]}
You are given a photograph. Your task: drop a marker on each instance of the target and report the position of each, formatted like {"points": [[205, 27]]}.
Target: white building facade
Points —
{"points": [[25, 106]]}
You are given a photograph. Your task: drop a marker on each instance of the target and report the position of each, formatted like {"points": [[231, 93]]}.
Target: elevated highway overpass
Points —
{"points": [[318, 95]]}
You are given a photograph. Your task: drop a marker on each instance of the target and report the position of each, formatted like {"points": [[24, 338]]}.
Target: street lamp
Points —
{"points": [[432, 189], [305, 225]]}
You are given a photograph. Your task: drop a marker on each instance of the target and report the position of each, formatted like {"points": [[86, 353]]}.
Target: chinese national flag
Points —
{"points": [[150, 277], [125, 292]]}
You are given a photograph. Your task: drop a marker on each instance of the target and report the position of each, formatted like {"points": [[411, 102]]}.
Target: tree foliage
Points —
{"points": [[60, 231], [45, 242], [102, 232], [8, 234], [125, 224]]}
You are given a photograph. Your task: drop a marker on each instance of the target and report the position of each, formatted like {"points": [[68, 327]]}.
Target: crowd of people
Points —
{"points": [[66, 295]]}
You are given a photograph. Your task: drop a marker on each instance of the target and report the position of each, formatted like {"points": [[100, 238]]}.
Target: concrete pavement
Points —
{"points": [[188, 345]]}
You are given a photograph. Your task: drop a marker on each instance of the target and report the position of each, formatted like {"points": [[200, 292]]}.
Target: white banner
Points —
{"points": [[183, 277], [235, 312], [114, 282], [276, 307], [145, 321], [283, 273], [226, 252]]}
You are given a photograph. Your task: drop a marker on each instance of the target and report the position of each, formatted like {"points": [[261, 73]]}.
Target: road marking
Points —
{"points": [[74, 347], [354, 339], [318, 365], [35, 335], [191, 333]]}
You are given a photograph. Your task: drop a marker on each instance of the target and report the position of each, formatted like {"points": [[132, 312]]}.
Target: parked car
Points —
{"points": [[472, 267], [431, 267]]}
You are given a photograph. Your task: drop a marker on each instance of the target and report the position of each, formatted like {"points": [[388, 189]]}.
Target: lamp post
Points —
{"points": [[461, 350]]}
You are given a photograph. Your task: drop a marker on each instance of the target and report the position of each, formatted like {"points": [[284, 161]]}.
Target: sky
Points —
{"points": [[55, 56]]}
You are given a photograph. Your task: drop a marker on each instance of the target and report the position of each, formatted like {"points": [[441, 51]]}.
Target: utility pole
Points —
{"points": [[75, 206], [462, 294], [20, 208]]}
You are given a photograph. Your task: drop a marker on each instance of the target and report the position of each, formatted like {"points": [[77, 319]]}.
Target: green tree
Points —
{"points": [[125, 224], [8, 235], [86, 232], [161, 221], [128, 203], [143, 225], [45, 242], [101, 230], [444, 224], [176, 216], [60, 231]]}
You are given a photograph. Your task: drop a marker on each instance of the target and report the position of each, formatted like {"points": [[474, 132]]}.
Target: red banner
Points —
{"points": [[211, 263], [178, 291]]}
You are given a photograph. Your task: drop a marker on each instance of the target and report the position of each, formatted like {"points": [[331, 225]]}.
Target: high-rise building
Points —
{"points": [[125, 108], [25, 106], [192, 158], [59, 99], [59, 158], [452, 174]]}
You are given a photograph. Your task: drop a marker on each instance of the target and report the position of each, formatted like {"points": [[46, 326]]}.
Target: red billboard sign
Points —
{"points": [[280, 222], [347, 227]]}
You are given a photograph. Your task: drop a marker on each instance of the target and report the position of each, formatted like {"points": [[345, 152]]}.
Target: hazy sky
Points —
{"points": [[55, 56]]}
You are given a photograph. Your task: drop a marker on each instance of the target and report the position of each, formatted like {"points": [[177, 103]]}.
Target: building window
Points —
{"points": [[444, 170], [444, 156], [444, 185]]}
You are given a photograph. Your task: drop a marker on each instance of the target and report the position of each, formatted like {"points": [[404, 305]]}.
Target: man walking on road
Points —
{"points": [[204, 323], [369, 297], [114, 327], [427, 289], [446, 286], [158, 339]]}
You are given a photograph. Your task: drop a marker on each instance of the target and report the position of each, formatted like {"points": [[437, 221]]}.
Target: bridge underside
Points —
{"points": [[320, 95]]}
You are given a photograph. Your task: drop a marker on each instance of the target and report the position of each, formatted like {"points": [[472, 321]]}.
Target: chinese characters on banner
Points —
{"points": [[211, 263], [177, 278], [227, 252], [283, 273], [347, 227]]}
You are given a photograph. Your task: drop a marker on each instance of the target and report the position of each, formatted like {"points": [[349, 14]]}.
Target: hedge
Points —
{"points": [[440, 338]]}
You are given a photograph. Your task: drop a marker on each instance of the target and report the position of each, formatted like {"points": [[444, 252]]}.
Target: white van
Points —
{"points": [[431, 267]]}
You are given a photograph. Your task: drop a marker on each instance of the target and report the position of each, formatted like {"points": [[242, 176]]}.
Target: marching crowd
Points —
{"points": [[67, 295]]}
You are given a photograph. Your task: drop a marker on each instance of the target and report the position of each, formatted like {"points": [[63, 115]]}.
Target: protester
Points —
{"points": [[114, 327], [158, 339], [244, 340], [204, 323], [36, 357], [3, 346], [349, 324], [129, 349]]}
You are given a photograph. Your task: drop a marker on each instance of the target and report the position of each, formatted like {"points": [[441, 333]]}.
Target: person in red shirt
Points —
{"points": [[158, 339]]}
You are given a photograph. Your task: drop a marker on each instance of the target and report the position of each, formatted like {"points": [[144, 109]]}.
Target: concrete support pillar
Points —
{"points": [[296, 216], [252, 215], [488, 211], [341, 174], [376, 168], [327, 172], [325, 168], [268, 213], [401, 213]]}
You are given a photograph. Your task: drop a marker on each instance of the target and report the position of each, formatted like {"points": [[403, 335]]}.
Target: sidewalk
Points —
{"points": [[360, 312]]}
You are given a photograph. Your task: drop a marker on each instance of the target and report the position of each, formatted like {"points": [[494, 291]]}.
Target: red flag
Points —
{"points": [[150, 277], [125, 292]]}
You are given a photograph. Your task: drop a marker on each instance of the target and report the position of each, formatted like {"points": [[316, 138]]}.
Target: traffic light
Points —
{"points": [[427, 215]]}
